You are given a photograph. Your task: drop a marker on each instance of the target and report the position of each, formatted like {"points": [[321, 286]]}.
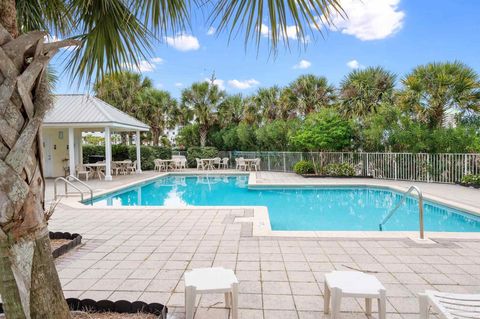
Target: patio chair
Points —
{"points": [[225, 162], [240, 163], [82, 170], [256, 164], [157, 165], [132, 167], [116, 168], [449, 305], [183, 162], [217, 162], [199, 163]]}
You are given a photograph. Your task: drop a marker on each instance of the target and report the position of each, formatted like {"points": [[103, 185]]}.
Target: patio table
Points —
{"points": [[169, 163], [207, 163], [122, 165], [96, 169]]}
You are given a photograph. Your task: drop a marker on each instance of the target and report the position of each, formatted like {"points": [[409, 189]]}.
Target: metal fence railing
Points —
{"points": [[440, 168]]}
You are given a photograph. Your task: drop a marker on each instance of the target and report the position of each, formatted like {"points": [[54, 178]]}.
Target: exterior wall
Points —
{"points": [[55, 142]]}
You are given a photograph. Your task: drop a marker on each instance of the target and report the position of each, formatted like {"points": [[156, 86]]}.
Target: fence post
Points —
{"points": [[268, 160], [428, 168], [368, 164], [395, 165], [284, 163], [465, 163]]}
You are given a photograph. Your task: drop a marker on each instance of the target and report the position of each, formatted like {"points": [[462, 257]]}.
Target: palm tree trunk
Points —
{"points": [[29, 283], [155, 136], [203, 135]]}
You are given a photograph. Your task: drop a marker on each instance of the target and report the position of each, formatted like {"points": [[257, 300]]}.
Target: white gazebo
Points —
{"points": [[73, 114]]}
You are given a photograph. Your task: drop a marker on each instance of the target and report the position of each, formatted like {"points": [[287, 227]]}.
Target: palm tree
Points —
{"points": [[231, 110], [204, 99], [122, 89], [363, 91], [432, 90], [268, 102], [155, 109], [108, 35], [309, 93]]}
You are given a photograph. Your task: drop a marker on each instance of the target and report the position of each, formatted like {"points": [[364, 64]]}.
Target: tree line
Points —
{"points": [[434, 108]]}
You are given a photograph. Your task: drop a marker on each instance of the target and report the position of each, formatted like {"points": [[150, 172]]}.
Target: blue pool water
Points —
{"points": [[336, 208]]}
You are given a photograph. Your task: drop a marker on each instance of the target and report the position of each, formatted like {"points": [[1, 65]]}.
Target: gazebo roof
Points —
{"points": [[85, 111]]}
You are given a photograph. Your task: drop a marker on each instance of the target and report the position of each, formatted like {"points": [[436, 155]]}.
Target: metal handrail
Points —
{"points": [[404, 197], [84, 184], [67, 182]]}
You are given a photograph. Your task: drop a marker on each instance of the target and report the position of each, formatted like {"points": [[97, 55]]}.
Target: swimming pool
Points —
{"points": [[320, 208]]}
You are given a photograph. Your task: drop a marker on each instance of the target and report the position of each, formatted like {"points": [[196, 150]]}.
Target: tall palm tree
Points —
{"points": [[108, 35], [309, 93], [432, 90], [156, 109], [268, 102], [204, 99], [231, 110], [363, 91], [122, 89]]}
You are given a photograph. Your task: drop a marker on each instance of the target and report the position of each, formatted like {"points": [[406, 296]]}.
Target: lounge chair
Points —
{"points": [[449, 305], [82, 170]]}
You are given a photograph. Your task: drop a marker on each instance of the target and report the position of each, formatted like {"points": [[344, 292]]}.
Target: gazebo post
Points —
{"points": [[137, 142], [71, 151], [108, 155]]}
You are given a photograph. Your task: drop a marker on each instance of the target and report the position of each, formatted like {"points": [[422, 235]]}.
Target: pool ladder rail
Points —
{"points": [[404, 197], [67, 182]]}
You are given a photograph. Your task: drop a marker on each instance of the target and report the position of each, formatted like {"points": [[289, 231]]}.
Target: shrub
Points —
{"points": [[89, 150], [120, 152], [200, 152], [304, 167], [471, 179], [337, 169]]}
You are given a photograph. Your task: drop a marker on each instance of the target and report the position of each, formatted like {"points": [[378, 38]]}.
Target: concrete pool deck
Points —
{"points": [[142, 254]]}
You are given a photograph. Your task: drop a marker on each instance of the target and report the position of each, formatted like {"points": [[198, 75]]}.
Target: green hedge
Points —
{"points": [[200, 152], [304, 167], [123, 152], [471, 179]]}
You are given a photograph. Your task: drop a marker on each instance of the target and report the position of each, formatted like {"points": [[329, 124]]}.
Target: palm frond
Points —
{"points": [[47, 15], [112, 38]]}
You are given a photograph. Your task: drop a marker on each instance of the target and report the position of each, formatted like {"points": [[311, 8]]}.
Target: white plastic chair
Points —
{"points": [[211, 281], [225, 162], [158, 165], [449, 305], [199, 163], [240, 163], [217, 162], [256, 164], [82, 170]]}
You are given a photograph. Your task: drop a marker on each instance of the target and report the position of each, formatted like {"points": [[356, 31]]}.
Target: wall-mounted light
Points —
{"points": [[60, 135]]}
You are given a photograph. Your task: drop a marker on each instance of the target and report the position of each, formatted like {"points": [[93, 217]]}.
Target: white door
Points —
{"points": [[48, 156]]}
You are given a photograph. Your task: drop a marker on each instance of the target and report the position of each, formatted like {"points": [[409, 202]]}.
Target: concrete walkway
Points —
{"points": [[143, 254]]}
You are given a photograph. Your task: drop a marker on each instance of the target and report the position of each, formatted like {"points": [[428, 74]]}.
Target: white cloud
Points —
{"points": [[142, 67], [354, 64], [211, 31], [156, 60], [243, 85], [220, 83], [291, 33], [183, 42], [303, 64], [178, 84], [368, 20]]}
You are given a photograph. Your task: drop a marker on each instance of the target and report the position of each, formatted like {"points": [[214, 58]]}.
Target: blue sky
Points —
{"points": [[396, 34]]}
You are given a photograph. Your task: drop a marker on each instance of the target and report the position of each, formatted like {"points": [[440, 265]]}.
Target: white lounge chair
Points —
{"points": [[449, 305]]}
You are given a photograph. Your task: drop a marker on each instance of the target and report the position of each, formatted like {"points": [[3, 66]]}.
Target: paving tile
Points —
{"points": [[250, 314], [276, 288], [107, 284], [309, 303], [278, 302], [280, 314], [125, 295], [134, 285], [305, 288], [250, 301]]}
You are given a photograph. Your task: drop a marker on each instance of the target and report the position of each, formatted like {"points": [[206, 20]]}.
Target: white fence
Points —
{"points": [[439, 168]]}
